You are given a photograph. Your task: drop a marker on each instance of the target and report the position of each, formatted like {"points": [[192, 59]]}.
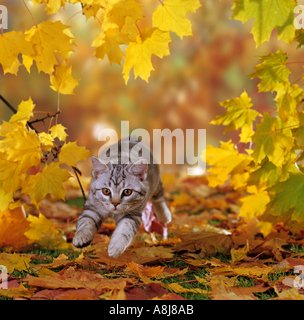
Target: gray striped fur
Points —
{"points": [[118, 177]]}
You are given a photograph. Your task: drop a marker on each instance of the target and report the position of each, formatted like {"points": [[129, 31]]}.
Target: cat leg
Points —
{"points": [[126, 229], [160, 208], [87, 226]]}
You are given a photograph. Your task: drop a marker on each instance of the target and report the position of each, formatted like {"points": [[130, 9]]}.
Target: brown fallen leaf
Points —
{"points": [[220, 291], [14, 290], [244, 270], [145, 272], [65, 294], [148, 291], [208, 242], [140, 255]]}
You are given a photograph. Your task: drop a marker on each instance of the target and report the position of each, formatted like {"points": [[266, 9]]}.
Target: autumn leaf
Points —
{"points": [[58, 131], [227, 161], [14, 292], [138, 54], [239, 254], [52, 6], [5, 196], [288, 99], [15, 261], [62, 81], [49, 181], [268, 15], [13, 237], [170, 16], [145, 272], [272, 71], [116, 11], [24, 112], [179, 289], [70, 153], [208, 242], [11, 44], [47, 38], [109, 43], [43, 232], [46, 141], [23, 146], [286, 195], [254, 204], [272, 140], [238, 114]]}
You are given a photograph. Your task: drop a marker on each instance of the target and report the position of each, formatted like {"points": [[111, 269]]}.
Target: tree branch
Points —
{"points": [[42, 119]]}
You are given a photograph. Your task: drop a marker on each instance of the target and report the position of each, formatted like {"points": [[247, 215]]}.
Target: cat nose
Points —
{"points": [[115, 202]]}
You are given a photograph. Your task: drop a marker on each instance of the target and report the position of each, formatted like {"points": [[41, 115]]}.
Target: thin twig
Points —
{"points": [[30, 13], [76, 171], [42, 119]]}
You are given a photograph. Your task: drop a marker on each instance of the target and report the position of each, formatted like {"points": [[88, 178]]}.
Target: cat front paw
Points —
{"points": [[115, 250], [82, 239]]}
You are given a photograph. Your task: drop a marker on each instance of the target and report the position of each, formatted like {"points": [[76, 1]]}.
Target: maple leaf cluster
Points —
{"points": [[120, 25], [268, 164], [24, 155]]}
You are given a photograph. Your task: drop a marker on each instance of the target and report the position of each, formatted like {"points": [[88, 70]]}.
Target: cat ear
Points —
{"points": [[140, 168], [99, 166]]}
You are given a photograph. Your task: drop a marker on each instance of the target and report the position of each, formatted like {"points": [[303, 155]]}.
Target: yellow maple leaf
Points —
{"points": [[108, 43], [8, 127], [47, 38], [254, 204], [11, 44], [49, 181], [117, 10], [11, 178], [46, 141], [138, 54], [6, 197], [239, 254], [52, 6], [63, 81], [70, 154], [170, 16], [39, 226], [24, 113], [15, 261], [43, 232], [21, 291], [24, 147], [227, 161], [58, 131]]}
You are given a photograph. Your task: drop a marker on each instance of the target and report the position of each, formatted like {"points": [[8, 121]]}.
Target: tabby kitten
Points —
{"points": [[121, 191]]}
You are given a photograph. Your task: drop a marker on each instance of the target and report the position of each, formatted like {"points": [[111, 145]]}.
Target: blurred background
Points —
{"points": [[183, 92]]}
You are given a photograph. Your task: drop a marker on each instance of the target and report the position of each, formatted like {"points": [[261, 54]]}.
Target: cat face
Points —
{"points": [[119, 187]]}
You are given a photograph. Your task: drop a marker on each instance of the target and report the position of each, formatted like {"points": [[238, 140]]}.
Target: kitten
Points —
{"points": [[121, 191]]}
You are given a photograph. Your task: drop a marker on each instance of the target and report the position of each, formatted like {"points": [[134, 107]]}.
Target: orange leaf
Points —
{"points": [[151, 272], [13, 225]]}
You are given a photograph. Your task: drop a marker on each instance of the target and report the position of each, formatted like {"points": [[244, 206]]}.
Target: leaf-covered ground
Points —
{"points": [[211, 253]]}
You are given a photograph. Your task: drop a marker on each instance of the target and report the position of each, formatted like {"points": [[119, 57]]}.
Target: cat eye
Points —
{"points": [[127, 192], [106, 191]]}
